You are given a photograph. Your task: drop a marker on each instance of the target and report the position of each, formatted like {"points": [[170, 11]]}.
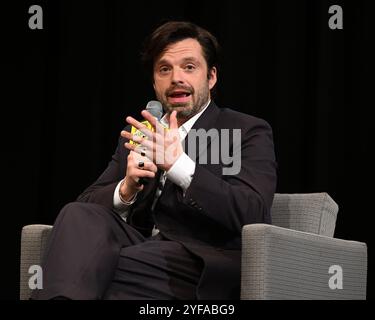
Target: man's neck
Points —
{"points": [[181, 121]]}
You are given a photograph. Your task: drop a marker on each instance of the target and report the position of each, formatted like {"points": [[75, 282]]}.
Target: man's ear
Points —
{"points": [[212, 78]]}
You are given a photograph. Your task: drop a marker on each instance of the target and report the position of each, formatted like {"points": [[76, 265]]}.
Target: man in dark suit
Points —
{"points": [[178, 236]]}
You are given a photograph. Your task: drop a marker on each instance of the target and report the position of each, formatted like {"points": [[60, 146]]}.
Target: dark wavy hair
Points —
{"points": [[175, 31]]}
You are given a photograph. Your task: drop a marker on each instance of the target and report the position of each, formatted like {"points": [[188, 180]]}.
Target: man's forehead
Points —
{"points": [[182, 50]]}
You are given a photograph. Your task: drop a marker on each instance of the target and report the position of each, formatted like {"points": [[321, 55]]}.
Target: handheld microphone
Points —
{"points": [[156, 110]]}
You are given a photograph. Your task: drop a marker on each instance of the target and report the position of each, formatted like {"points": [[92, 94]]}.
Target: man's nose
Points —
{"points": [[177, 76]]}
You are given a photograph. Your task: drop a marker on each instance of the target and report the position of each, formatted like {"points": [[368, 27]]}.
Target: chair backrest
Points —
{"points": [[309, 212]]}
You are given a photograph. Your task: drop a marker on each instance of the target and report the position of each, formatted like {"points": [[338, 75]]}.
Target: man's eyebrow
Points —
{"points": [[162, 61], [184, 60], [190, 59]]}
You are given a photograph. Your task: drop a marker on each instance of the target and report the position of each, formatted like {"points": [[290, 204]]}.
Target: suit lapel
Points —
{"points": [[206, 121]]}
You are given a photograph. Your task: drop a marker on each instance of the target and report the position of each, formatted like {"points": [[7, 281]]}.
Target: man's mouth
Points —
{"points": [[179, 96]]}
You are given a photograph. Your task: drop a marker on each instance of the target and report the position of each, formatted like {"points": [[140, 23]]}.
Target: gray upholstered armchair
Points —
{"points": [[291, 259]]}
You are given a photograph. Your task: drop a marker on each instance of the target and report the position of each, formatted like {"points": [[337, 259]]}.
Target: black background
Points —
{"points": [[67, 89]]}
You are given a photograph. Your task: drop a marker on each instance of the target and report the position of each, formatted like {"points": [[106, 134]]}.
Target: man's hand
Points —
{"points": [[138, 167], [162, 147]]}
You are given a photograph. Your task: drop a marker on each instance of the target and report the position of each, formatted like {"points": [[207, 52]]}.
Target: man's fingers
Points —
{"points": [[139, 153], [130, 146], [126, 134], [145, 165], [159, 128], [173, 124], [143, 173], [135, 158], [149, 117], [144, 144], [140, 126], [145, 150], [135, 123], [129, 136]]}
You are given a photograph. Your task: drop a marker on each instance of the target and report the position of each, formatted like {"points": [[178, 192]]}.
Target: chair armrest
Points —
{"points": [[280, 263], [33, 242]]}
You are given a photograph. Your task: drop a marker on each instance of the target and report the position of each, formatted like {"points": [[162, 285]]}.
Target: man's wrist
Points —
{"points": [[127, 199]]}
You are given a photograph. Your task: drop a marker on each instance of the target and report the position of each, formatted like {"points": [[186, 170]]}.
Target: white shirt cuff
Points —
{"points": [[182, 171], [120, 206]]}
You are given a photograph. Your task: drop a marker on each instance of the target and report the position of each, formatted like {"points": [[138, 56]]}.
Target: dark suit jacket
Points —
{"points": [[208, 220]]}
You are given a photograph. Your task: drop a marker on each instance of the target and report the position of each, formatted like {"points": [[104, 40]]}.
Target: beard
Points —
{"points": [[186, 110]]}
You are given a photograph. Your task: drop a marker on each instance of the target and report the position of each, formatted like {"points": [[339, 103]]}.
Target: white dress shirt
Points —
{"points": [[181, 173]]}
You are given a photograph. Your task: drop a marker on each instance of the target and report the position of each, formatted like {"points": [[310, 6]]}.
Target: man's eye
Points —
{"points": [[189, 67], [163, 69]]}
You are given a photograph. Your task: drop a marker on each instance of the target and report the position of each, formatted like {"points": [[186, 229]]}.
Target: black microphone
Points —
{"points": [[156, 110]]}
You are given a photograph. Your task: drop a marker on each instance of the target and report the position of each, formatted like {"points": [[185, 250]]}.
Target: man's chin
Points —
{"points": [[183, 110], [180, 106], [184, 113]]}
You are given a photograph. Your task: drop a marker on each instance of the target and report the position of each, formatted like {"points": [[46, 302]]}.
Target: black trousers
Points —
{"points": [[94, 254]]}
